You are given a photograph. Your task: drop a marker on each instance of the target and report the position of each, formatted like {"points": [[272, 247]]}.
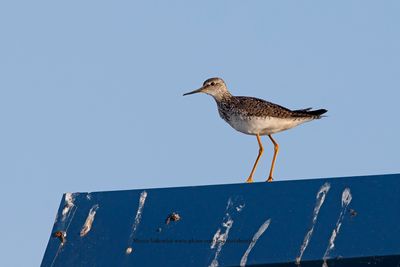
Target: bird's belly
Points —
{"points": [[263, 125]]}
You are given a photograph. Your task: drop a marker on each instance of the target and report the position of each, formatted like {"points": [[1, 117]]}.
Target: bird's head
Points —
{"points": [[215, 87]]}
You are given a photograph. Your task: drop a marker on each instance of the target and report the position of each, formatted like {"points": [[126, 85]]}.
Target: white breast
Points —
{"points": [[263, 126]]}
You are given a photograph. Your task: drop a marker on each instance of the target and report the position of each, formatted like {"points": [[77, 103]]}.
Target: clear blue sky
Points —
{"points": [[91, 98]]}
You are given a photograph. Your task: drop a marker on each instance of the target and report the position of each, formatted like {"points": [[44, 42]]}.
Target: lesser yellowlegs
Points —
{"points": [[255, 116]]}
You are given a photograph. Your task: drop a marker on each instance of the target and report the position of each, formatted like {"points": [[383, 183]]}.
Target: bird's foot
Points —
{"points": [[270, 179], [249, 180]]}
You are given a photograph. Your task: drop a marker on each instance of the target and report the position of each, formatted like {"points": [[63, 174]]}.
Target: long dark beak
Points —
{"points": [[195, 91]]}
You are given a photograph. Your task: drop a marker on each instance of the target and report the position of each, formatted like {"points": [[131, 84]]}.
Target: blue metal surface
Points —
{"points": [[351, 221]]}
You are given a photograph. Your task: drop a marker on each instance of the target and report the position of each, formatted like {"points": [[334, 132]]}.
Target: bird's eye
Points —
{"points": [[213, 83]]}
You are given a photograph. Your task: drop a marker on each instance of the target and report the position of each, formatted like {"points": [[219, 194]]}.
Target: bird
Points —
{"points": [[255, 116]]}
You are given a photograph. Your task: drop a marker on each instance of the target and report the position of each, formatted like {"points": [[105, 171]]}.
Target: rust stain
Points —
{"points": [[61, 235], [172, 217]]}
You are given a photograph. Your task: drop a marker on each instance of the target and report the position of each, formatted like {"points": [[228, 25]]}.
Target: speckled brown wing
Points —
{"points": [[252, 106]]}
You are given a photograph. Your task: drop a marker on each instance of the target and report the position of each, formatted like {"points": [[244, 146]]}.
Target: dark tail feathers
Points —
{"points": [[307, 111]]}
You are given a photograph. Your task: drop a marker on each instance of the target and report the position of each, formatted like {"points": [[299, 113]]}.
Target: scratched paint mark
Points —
{"points": [[69, 203], [137, 220], [57, 253], [221, 235], [254, 240], [229, 204], [240, 207], [219, 240], [65, 217], [87, 226], [69, 198], [320, 198], [138, 216], [346, 199]]}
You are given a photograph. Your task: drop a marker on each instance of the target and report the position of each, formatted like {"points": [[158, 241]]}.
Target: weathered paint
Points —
{"points": [[364, 210], [137, 220], [254, 240], [320, 201], [346, 199], [222, 234], [89, 220]]}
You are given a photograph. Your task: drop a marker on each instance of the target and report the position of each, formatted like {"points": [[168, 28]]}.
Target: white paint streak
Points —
{"points": [[323, 191], [129, 250], [220, 238], [229, 204], [256, 236], [346, 199], [215, 238], [69, 203], [89, 220], [138, 216], [240, 207], [221, 235]]}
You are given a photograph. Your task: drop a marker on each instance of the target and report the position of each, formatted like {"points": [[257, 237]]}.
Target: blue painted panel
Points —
{"points": [[343, 221]]}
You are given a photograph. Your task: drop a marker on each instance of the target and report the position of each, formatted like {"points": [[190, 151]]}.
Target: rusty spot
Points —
{"points": [[353, 212], [61, 235], [173, 217]]}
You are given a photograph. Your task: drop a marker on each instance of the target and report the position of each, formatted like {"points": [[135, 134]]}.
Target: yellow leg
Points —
{"points": [[276, 150], [260, 151]]}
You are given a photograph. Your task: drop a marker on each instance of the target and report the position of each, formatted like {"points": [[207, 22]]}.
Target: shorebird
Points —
{"points": [[254, 116]]}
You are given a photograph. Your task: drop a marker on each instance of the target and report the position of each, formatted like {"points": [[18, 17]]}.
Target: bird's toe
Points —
{"points": [[249, 180]]}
